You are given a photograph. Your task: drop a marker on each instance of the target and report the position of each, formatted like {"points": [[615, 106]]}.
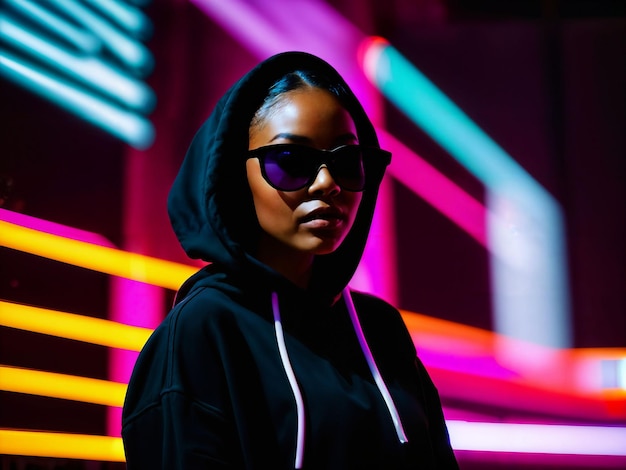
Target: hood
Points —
{"points": [[210, 204]]}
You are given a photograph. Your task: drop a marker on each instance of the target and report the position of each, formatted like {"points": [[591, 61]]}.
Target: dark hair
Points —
{"points": [[297, 80]]}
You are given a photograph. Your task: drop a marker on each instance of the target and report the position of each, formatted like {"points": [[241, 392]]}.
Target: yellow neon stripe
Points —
{"points": [[67, 387], [140, 268], [72, 326], [70, 446]]}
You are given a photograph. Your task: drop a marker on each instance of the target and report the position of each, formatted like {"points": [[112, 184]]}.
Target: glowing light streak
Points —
{"points": [[132, 53], [538, 438], [524, 223], [444, 195], [80, 39], [88, 70], [251, 27], [125, 15], [73, 326], [67, 387], [52, 444], [133, 129], [41, 225], [470, 436], [427, 106], [103, 259], [268, 28]]}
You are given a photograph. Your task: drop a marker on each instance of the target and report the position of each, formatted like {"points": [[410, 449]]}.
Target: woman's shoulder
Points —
{"points": [[201, 308]]}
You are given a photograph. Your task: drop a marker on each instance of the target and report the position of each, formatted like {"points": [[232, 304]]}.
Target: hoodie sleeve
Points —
{"points": [[174, 414], [175, 434]]}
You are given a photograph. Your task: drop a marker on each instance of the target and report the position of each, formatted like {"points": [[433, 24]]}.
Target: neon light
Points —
{"points": [[434, 112], [525, 227], [444, 195], [135, 303], [252, 28], [538, 438], [132, 53], [67, 387], [85, 69], [81, 40], [464, 351], [51, 227], [52, 444], [128, 126], [72, 326], [470, 436], [103, 259], [127, 16]]}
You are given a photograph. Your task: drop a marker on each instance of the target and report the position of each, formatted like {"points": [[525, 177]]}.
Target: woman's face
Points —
{"points": [[313, 220]]}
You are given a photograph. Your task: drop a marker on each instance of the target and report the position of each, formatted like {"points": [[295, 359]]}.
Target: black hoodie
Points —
{"points": [[249, 370]]}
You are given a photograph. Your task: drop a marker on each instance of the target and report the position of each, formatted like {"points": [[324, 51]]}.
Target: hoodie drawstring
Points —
{"points": [[380, 383], [284, 356]]}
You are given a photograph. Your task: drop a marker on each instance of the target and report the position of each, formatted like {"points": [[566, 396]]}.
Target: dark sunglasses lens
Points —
{"points": [[287, 169], [347, 169], [290, 169]]}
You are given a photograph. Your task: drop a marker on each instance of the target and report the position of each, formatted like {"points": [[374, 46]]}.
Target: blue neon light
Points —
{"points": [[86, 57]]}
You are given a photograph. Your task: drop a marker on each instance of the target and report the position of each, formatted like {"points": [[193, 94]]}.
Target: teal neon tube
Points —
{"points": [[525, 224], [127, 126]]}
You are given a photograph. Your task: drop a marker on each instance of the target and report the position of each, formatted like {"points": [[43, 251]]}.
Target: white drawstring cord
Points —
{"points": [[284, 356], [393, 412]]}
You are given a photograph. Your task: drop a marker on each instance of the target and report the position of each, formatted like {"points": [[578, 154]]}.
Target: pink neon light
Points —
{"points": [[133, 303], [53, 228], [423, 179]]}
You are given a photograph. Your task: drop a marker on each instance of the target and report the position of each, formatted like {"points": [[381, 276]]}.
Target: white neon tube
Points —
{"points": [[537, 438]]}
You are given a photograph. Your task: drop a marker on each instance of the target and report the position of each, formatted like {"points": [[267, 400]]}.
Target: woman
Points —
{"points": [[267, 361]]}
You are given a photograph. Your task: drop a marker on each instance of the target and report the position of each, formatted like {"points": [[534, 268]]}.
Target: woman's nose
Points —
{"points": [[324, 183]]}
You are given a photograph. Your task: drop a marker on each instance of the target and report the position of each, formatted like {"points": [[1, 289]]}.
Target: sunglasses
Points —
{"points": [[289, 167]]}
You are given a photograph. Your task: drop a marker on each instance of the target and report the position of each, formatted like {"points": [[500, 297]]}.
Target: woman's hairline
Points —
{"points": [[305, 82]]}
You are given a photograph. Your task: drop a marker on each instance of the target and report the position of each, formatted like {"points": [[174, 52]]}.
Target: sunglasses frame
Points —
{"points": [[369, 155]]}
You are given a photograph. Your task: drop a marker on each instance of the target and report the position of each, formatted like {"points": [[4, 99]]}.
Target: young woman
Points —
{"points": [[267, 360]]}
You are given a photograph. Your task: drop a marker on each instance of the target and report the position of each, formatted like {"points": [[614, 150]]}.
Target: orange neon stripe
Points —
{"points": [[63, 445], [73, 326], [67, 387], [107, 260], [422, 324]]}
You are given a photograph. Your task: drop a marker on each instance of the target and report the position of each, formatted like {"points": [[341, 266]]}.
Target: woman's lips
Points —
{"points": [[323, 218]]}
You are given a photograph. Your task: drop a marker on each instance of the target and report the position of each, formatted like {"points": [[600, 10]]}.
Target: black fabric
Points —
{"points": [[209, 389]]}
